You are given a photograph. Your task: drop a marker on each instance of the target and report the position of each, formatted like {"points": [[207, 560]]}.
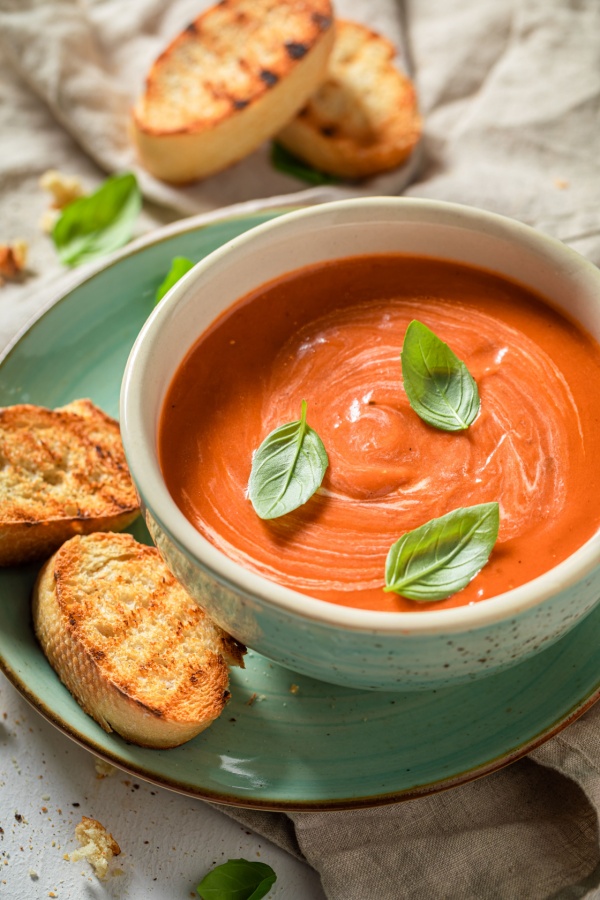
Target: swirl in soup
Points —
{"points": [[332, 334]]}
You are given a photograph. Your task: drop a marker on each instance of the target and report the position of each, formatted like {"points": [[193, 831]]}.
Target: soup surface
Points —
{"points": [[332, 335]]}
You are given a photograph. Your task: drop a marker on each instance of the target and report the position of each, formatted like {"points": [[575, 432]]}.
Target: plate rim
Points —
{"points": [[70, 280], [353, 803], [579, 707]]}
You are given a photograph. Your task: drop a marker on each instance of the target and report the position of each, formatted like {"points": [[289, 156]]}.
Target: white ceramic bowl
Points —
{"points": [[354, 647]]}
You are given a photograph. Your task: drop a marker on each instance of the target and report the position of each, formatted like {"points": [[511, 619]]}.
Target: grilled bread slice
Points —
{"points": [[130, 644], [364, 118], [228, 82], [63, 472]]}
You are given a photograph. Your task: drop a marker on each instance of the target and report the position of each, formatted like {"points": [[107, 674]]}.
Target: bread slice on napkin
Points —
{"points": [[137, 653], [364, 118], [228, 82], [62, 472]]}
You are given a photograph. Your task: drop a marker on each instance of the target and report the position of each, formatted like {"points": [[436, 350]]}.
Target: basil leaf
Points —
{"points": [[237, 879], [286, 162], [287, 468], [179, 266], [95, 225], [440, 388], [444, 555]]}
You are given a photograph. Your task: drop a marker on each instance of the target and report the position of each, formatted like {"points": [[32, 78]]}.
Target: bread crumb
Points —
{"points": [[48, 220], [561, 184], [64, 188], [33, 875], [294, 688], [13, 258], [97, 845], [255, 698], [104, 769]]}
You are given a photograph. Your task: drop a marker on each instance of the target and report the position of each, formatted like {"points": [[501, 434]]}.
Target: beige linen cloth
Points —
{"points": [[510, 92]]}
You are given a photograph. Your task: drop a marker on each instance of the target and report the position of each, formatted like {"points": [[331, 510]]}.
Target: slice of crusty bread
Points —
{"points": [[130, 644], [364, 117], [228, 82], [62, 472]]}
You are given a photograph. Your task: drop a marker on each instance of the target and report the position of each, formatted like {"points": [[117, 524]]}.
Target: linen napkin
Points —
{"points": [[510, 94]]}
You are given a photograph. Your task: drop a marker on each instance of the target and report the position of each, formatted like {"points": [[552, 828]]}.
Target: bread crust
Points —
{"points": [[363, 119], [133, 648], [63, 472], [228, 82]]}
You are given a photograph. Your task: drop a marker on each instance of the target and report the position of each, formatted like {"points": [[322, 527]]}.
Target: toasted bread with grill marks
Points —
{"points": [[62, 472], [363, 119], [137, 653], [228, 82]]}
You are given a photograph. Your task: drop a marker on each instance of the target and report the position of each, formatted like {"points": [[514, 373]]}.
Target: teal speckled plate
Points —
{"points": [[284, 741]]}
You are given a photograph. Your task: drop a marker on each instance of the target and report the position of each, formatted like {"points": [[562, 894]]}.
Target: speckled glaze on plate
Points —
{"points": [[285, 741]]}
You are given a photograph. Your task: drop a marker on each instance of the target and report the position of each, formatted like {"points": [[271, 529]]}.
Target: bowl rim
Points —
{"points": [[143, 459]]}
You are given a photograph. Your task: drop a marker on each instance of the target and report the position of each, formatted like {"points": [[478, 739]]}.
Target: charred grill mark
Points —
{"points": [[295, 50], [116, 502], [322, 22], [269, 78]]}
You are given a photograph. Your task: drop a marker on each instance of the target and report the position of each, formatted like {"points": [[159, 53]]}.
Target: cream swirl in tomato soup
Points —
{"points": [[332, 335]]}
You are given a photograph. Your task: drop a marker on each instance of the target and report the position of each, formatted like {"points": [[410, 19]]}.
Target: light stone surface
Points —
{"points": [[168, 841]]}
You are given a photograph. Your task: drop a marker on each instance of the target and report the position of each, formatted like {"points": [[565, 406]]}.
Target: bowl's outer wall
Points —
{"points": [[376, 661], [359, 658]]}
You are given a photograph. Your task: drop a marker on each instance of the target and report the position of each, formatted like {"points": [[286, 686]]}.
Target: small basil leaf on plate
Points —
{"points": [[237, 879], [440, 388], [287, 468], [99, 223], [179, 266], [286, 162], [441, 557]]}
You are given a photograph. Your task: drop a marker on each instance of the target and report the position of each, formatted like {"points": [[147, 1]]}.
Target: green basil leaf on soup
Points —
{"points": [[179, 266], [286, 162], [440, 388], [440, 558], [287, 468], [99, 223], [237, 879]]}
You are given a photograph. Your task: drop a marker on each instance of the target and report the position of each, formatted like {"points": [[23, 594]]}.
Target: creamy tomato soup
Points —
{"points": [[332, 335]]}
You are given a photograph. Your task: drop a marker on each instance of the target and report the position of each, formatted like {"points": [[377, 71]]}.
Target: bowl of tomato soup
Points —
{"points": [[365, 438]]}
